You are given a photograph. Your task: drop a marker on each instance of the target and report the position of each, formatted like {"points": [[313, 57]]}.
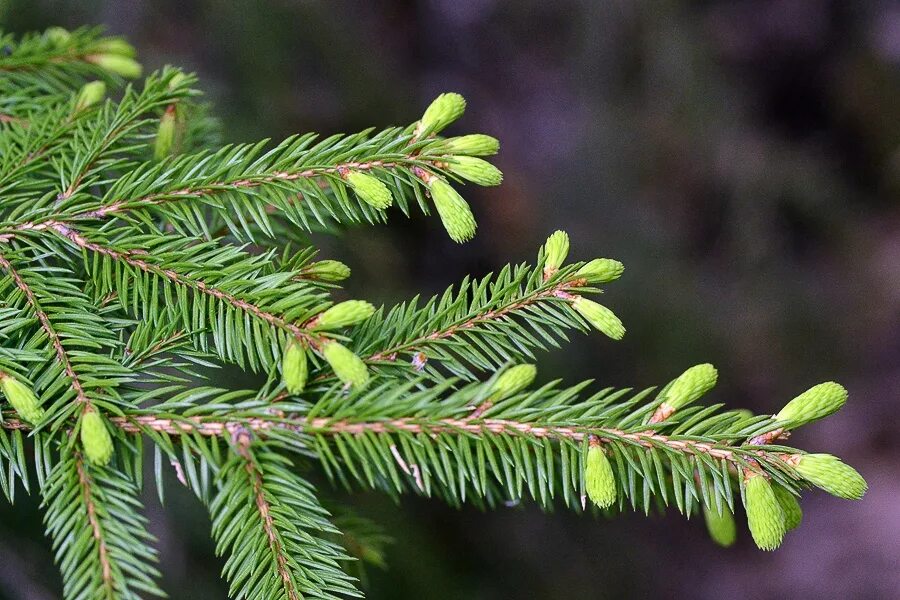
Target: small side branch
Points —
{"points": [[86, 483], [51, 332], [135, 260]]}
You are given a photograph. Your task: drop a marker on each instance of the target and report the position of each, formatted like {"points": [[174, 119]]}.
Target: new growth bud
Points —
{"points": [[116, 46], [600, 317], [57, 35], [513, 380], [765, 516], [793, 514], [95, 438], [165, 135], [599, 479], [327, 270], [601, 270], [294, 368], [721, 526], [370, 189], [687, 388], [344, 314], [22, 398], [445, 109], [829, 473], [815, 403], [117, 64], [556, 249], [89, 95], [476, 170], [475, 144], [454, 212], [348, 367]]}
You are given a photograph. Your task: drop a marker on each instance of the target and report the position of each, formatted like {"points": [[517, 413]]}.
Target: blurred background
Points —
{"points": [[742, 158]]}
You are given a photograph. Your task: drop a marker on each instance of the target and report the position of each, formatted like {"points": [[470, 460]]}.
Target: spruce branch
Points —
{"points": [[137, 256]]}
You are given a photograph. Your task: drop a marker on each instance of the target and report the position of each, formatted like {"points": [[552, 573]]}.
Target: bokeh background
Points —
{"points": [[742, 158]]}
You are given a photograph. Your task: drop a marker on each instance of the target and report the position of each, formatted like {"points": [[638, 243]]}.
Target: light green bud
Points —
{"points": [[347, 366], [815, 403], [370, 189], [476, 170], [793, 514], [691, 385], [344, 314], [601, 270], [475, 144], [57, 35], [327, 270], [513, 380], [22, 398], [721, 526], [165, 135], [599, 480], [556, 249], [89, 95], [294, 368], [116, 46], [445, 109], [600, 317], [176, 80], [765, 516], [829, 473], [455, 213], [95, 438], [118, 64]]}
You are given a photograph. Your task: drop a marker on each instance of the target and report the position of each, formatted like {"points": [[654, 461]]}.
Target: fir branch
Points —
{"points": [[101, 544], [77, 387]]}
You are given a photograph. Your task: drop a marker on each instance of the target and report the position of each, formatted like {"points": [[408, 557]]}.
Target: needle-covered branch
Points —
{"points": [[138, 257]]}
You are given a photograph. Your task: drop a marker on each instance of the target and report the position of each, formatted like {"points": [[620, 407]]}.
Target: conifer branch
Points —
{"points": [[137, 254], [54, 338]]}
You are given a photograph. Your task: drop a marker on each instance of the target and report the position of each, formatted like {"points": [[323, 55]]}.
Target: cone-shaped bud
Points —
{"points": [[599, 479], [600, 317], [370, 189], [815, 403], [95, 438], [344, 314], [117, 64], [294, 368], [691, 385], [347, 366], [764, 514], [556, 249], [116, 46], [89, 95], [475, 144], [445, 109], [832, 475], [476, 170], [601, 270], [793, 514], [514, 380], [22, 398], [57, 35], [165, 135], [454, 212], [721, 526], [176, 80], [327, 270]]}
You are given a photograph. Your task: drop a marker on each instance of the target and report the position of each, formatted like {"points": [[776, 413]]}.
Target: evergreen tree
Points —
{"points": [[137, 254]]}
